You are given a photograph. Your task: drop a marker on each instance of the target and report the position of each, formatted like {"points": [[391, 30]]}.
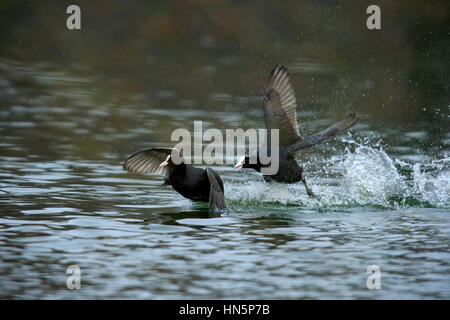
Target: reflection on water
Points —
{"points": [[65, 200]]}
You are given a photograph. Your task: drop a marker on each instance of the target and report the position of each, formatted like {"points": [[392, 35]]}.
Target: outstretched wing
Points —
{"points": [[280, 107], [148, 161], [216, 193], [324, 135]]}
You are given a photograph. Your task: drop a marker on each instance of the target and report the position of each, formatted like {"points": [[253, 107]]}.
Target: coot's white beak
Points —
{"points": [[165, 162], [240, 164]]}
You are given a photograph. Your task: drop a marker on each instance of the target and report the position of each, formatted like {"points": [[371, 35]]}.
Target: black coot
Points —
{"points": [[280, 113], [191, 182]]}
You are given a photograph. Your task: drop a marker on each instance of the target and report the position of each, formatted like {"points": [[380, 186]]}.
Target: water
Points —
{"points": [[65, 201], [74, 104]]}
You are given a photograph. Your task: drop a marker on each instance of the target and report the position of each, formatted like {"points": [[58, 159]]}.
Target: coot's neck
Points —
{"points": [[178, 169], [255, 166]]}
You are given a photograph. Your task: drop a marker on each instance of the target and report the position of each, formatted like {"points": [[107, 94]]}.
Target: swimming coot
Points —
{"points": [[191, 182], [280, 113]]}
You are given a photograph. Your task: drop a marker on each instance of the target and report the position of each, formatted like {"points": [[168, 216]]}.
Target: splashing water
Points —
{"points": [[370, 177], [367, 176], [432, 185]]}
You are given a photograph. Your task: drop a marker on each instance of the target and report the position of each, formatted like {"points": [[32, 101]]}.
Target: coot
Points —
{"points": [[280, 113], [191, 182]]}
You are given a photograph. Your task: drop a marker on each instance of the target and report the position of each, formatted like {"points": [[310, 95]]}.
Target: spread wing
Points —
{"points": [[324, 135], [148, 161], [216, 193], [280, 107]]}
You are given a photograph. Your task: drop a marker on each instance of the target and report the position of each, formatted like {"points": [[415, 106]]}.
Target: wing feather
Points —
{"points": [[216, 193], [280, 106], [324, 135], [148, 161]]}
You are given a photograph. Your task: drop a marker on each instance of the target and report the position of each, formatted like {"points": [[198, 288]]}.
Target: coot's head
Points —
{"points": [[244, 162]]}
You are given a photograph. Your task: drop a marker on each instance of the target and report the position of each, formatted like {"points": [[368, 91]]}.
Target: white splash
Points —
{"points": [[366, 176], [432, 185]]}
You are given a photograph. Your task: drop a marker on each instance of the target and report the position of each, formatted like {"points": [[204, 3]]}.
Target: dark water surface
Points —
{"points": [[66, 127]]}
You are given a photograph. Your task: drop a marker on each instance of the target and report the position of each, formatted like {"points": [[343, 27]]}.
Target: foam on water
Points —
{"points": [[361, 175]]}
